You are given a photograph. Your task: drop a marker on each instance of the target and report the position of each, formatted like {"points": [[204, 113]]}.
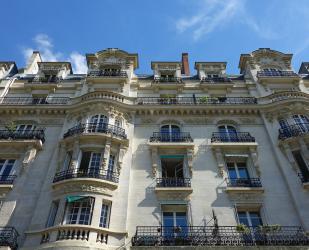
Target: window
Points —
{"points": [[110, 167], [303, 166], [170, 132], [67, 160], [175, 220], [90, 162], [6, 167], [227, 133], [79, 211], [302, 121], [39, 100], [98, 123], [283, 124], [105, 214], [52, 214], [118, 123], [237, 170], [250, 218], [25, 128]]}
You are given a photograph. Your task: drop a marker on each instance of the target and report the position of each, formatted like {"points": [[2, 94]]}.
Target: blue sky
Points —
{"points": [[209, 30]]}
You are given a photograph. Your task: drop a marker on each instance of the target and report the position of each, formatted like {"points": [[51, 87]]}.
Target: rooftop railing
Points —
{"points": [[232, 137], [278, 73], [33, 134], [91, 173], [173, 182], [244, 182], [215, 80], [293, 130], [8, 237], [168, 79], [171, 137], [88, 128], [196, 100], [219, 236], [53, 79], [7, 179], [34, 101], [107, 73]]}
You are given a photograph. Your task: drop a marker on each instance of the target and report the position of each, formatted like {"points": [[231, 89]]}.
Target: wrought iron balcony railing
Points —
{"points": [[91, 173], [171, 137], [36, 134], [219, 236], [168, 79], [215, 80], [33, 101], [173, 182], [232, 137], [196, 101], [304, 178], [278, 73], [8, 237], [107, 73], [53, 79], [244, 182], [7, 179], [88, 128], [293, 131]]}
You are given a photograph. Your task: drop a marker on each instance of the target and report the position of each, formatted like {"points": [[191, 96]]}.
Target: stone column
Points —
{"points": [[220, 161], [121, 153], [75, 155], [154, 158], [254, 157], [59, 218], [106, 154]]}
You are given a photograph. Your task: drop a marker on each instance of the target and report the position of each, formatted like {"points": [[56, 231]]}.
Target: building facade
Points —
{"points": [[116, 160]]}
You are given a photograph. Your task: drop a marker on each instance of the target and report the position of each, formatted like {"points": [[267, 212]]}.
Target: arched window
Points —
{"points": [[227, 129], [227, 133], [98, 123], [170, 132]]}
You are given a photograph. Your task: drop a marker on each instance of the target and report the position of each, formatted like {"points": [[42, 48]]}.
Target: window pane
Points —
{"points": [[104, 215], [181, 219], [242, 217], [255, 219], [232, 172], [52, 214], [243, 173]]}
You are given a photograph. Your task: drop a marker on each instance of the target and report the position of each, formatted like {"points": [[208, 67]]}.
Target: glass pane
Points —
{"points": [[242, 217], [243, 173], [232, 173], [104, 216], [255, 219], [168, 223]]}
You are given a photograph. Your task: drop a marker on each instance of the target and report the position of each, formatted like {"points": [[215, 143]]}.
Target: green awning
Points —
{"points": [[73, 198], [171, 156]]}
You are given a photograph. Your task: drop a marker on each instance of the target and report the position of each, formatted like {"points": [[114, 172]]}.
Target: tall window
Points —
{"points": [[6, 167], [302, 121], [302, 164], [98, 123], [110, 167], [25, 128], [170, 132], [68, 160], [105, 215], [52, 214], [91, 162], [237, 170], [249, 218], [227, 133], [79, 211], [175, 220]]}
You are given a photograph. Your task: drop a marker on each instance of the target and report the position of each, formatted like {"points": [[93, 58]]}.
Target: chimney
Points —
{"points": [[185, 70]]}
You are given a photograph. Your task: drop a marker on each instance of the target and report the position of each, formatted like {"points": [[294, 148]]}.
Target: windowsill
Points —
{"points": [[247, 190]]}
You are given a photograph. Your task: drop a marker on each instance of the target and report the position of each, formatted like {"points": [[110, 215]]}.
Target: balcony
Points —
{"points": [[196, 101], [304, 179], [215, 80], [171, 137], [99, 177], [8, 237], [244, 185], [167, 80], [277, 76], [294, 131], [34, 101], [214, 236], [169, 187], [107, 73], [277, 73], [35, 134], [233, 140], [93, 130]]}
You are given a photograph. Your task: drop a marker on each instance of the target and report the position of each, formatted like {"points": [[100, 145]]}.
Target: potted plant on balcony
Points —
{"points": [[242, 228], [204, 99], [270, 228], [11, 128]]}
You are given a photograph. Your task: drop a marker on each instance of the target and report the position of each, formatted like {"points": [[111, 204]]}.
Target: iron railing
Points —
{"points": [[52, 79], [304, 178], [158, 79], [215, 80], [37, 134], [99, 173], [7, 179], [232, 137], [107, 73], [293, 130], [244, 182], [173, 182], [171, 137], [88, 128], [277, 73], [219, 236], [196, 100], [8, 237], [34, 101]]}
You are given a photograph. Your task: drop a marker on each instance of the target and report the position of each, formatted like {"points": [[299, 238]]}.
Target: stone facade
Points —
{"points": [[86, 158]]}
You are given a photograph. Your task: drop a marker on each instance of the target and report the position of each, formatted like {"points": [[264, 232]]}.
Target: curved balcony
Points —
{"points": [[97, 129], [8, 237], [277, 73], [294, 131]]}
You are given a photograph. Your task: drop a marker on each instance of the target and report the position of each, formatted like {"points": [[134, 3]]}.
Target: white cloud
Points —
{"points": [[44, 44]]}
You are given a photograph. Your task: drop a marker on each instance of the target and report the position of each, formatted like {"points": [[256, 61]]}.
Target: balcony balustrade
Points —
{"points": [[232, 137], [171, 137], [173, 182], [293, 131], [107, 73], [33, 101], [100, 174], [168, 80], [89, 128], [7, 179], [276, 73], [8, 237], [219, 236], [52, 79], [35, 134], [196, 101], [215, 80], [244, 182]]}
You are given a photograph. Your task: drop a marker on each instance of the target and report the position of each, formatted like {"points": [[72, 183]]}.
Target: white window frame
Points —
{"points": [[247, 211], [6, 163], [107, 214], [235, 163], [69, 214]]}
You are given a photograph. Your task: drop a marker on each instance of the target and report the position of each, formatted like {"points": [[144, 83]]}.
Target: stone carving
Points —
{"points": [[75, 188], [29, 156]]}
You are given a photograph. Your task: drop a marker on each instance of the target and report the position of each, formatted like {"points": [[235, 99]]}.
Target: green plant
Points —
{"points": [[270, 228], [242, 228], [11, 126], [204, 99]]}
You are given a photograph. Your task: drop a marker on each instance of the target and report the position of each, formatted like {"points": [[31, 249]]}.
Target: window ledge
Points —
{"points": [[246, 190]]}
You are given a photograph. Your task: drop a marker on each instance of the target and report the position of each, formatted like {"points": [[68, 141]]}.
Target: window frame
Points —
{"points": [[68, 214], [108, 214]]}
